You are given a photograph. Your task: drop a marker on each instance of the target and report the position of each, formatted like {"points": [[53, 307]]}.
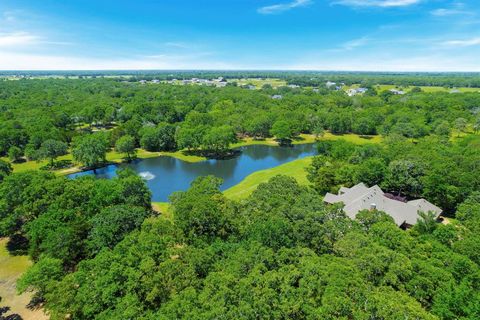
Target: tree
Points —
{"points": [[126, 144], [259, 127], [219, 139], [112, 224], [443, 129], [371, 171], [427, 223], [5, 169], [476, 126], [15, 154], [321, 174], [404, 176], [200, 211], [283, 131], [90, 150], [51, 149], [460, 125], [160, 138], [40, 275]]}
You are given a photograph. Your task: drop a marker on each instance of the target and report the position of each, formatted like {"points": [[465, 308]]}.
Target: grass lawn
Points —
{"points": [[310, 138], [115, 157], [295, 169], [163, 208], [260, 82], [11, 268], [112, 156], [354, 138], [383, 87]]}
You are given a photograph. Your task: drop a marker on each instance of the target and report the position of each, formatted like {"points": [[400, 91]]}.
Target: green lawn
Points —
{"points": [[163, 208], [112, 156], [260, 82], [115, 157], [294, 169], [11, 268], [383, 87]]}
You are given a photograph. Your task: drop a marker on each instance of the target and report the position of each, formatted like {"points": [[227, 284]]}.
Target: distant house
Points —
{"points": [[277, 96], [143, 81], [395, 91], [360, 197], [155, 81], [352, 92], [454, 91], [293, 86], [330, 84]]}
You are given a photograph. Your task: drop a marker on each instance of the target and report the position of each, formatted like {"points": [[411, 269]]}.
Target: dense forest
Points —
{"points": [[101, 251], [315, 78], [46, 118]]}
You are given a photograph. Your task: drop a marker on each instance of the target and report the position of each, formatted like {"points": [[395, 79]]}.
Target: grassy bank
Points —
{"points": [[11, 268], [115, 157], [295, 169]]}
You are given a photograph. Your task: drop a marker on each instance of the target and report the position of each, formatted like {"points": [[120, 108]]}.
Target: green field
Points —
{"points": [[115, 157], [275, 83], [11, 268], [112, 157], [295, 169], [382, 87]]}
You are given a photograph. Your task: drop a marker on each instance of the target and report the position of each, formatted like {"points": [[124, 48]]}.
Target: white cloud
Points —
{"points": [[352, 44], [16, 39], [27, 61], [456, 9], [377, 3], [9, 16], [179, 45], [442, 12], [420, 63], [281, 7], [463, 42]]}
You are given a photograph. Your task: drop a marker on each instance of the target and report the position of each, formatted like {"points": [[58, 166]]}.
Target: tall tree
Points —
{"points": [[90, 150]]}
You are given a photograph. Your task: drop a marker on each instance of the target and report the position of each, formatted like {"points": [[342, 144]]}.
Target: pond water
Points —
{"points": [[165, 175]]}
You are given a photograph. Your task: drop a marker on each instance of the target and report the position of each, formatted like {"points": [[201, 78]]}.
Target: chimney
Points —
{"points": [[373, 206]]}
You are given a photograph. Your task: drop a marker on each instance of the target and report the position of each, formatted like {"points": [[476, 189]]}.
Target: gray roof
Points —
{"points": [[360, 197]]}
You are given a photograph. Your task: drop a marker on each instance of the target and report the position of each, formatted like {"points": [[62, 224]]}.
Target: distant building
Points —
{"points": [[395, 91], [143, 81], [330, 84], [360, 197], [454, 91], [155, 81], [293, 86], [353, 92], [277, 97]]}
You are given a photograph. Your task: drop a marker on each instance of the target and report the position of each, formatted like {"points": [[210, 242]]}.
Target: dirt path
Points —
{"points": [[11, 268]]}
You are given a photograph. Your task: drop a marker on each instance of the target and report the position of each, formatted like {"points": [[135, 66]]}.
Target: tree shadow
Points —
{"points": [[13, 316], [17, 245], [212, 154]]}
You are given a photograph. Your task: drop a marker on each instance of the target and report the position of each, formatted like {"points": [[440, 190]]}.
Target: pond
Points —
{"points": [[165, 175]]}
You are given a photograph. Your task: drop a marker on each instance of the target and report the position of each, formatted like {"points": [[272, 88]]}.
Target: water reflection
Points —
{"points": [[168, 174]]}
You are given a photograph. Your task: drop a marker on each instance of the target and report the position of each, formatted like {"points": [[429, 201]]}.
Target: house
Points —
{"points": [[277, 96], [293, 86], [360, 197], [352, 92], [330, 84], [395, 91], [155, 81]]}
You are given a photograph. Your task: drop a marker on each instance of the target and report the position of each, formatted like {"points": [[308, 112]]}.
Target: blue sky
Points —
{"points": [[377, 35]]}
